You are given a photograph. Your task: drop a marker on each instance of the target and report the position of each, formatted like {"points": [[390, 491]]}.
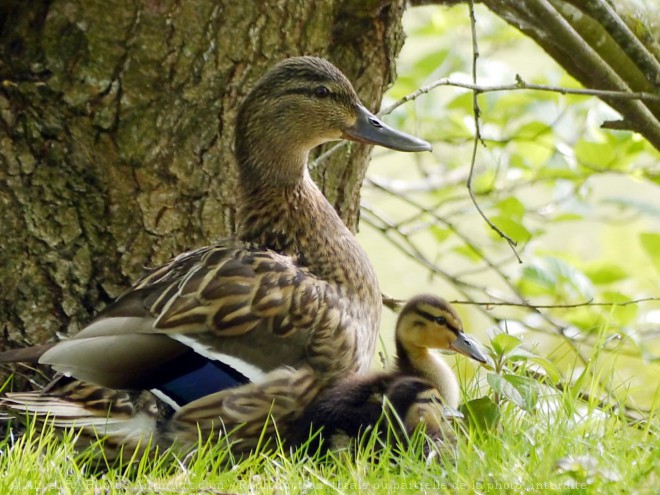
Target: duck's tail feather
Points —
{"points": [[246, 417], [24, 355], [127, 423]]}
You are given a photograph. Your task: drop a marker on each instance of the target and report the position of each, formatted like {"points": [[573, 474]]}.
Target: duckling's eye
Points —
{"points": [[321, 92], [441, 320]]}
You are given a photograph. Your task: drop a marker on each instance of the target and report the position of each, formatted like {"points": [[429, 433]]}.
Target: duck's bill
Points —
{"points": [[371, 130], [468, 347]]}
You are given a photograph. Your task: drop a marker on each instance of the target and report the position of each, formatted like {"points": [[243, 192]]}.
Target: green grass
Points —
{"points": [[563, 445]]}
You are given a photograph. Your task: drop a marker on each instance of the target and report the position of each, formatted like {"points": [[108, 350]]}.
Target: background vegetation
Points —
{"points": [[569, 310], [580, 203]]}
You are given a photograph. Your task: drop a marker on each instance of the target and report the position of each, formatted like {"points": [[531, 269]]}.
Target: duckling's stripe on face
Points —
{"points": [[433, 318]]}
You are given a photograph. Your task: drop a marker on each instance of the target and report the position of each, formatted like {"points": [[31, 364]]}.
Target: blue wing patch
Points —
{"points": [[197, 376]]}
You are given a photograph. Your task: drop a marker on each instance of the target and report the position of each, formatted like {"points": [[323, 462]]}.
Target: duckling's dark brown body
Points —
{"points": [[354, 406], [418, 390]]}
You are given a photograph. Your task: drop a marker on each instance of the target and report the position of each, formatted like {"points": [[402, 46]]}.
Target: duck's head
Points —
{"points": [[301, 103], [429, 322]]}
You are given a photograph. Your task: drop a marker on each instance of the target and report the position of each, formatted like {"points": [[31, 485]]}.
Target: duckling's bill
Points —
{"points": [[371, 130], [466, 345]]}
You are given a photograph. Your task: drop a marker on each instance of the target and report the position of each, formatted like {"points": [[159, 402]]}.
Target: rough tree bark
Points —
{"points": [[116, 132]]}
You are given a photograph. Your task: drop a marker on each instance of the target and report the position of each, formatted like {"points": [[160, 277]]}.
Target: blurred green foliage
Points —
{"points": [[582, 204]]}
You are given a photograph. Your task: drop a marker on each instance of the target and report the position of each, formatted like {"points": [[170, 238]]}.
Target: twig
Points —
{"points": [[393, 303], [590, 302], [520, 85], [327, 154], [477, 136]]}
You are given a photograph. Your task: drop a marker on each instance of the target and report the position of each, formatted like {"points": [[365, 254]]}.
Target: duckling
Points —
{"points": [[248, 328], [420, 388]]}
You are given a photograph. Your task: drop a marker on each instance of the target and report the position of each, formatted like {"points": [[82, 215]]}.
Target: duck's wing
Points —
{"points": [[219, 312], [228, 290], [247, 416]]}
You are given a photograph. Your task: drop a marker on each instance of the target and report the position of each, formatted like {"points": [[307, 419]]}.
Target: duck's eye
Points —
{"points": [[441, 320], [376, 123], [321, 92]]}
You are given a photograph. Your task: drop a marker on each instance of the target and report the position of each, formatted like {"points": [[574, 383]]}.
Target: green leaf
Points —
{"points": [[520, 354], [534, 154], [554, 276], [461, 102], [467, 252], [439, 233], [512, 208], [532, 130], [427, 64], [567, 217], [483, 182], [622, 315], [527, 387], [537, 280], [604, 272], [505, 389], [512, 228], [521, 390], [504, 343], [588, 319], [482, 413], [651, 244], [594, 154]]}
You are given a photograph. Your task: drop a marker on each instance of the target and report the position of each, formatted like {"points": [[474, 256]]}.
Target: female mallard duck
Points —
{"points": [[416, 389], [265, 318]]}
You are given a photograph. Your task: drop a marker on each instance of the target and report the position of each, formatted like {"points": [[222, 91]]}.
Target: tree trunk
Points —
{"points": [[116, 135]]}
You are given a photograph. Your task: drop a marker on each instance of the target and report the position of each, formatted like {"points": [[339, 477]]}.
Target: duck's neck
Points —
{"points": [[419, 361], [295, 219]]}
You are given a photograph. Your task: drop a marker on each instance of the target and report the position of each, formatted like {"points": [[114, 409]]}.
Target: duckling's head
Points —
{"points": [[429, 322], [301, 103], [416, 401]]}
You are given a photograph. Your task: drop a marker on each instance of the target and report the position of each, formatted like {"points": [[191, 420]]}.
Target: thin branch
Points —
{"points": [[464, 238], [393, 303], [590, 302], [412, 251], [477, 136], [327, 154], [519, 85]]}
